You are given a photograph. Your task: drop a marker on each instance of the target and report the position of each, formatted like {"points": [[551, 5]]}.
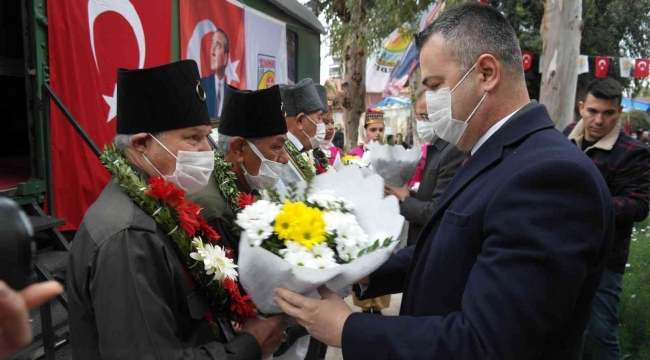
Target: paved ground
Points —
{"points": [[395, 302]]}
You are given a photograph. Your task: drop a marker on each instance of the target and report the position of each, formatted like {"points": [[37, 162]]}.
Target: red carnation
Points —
{"points": [[159, 189], [187, 221], [320, 169], [208, 232], [245, 199], [241, 306], [166, 192]]}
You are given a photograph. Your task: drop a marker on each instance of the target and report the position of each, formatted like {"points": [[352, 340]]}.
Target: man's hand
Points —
{"points": [[15, 331], [399, 192], [269, 333], [323, 318]]}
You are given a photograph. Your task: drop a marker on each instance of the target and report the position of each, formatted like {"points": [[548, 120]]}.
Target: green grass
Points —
{"points": [[634, 330]]}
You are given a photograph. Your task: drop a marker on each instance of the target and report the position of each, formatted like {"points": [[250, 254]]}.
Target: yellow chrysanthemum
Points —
{"points": [[285, 219], [299, 223], [347, 158]]}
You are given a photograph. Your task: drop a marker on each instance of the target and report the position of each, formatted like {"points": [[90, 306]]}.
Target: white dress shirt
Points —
{"points": [[294, 140], [219, 90], [491, 132]]}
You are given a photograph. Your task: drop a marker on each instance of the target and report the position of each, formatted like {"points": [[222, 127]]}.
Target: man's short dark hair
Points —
{"points": [[473, 29], [606, 89], [226, 44]]}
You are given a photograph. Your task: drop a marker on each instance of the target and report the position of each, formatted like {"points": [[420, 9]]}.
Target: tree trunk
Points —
{"points": [[354, 88], [561, 33], [415, 83]]}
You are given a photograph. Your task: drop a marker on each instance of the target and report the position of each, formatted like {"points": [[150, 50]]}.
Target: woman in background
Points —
{"points": [[326, 146], [373, 130]]}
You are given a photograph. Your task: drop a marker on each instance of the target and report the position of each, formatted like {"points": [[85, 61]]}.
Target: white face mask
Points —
{"points": [[268, 175], [193, 169], [320, 134], [425, 130], [439, 109]]}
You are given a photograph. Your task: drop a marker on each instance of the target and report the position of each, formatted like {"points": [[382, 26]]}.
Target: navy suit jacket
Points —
{"points": [[209, 87], [508, 264]]}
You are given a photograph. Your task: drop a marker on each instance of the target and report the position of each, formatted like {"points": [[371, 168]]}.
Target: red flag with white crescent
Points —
{"points": [[641, 69], [89, 40], [527, 59], [602, 66]]}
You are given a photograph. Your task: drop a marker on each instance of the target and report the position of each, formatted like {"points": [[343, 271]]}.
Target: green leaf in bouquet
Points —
{"points": [[292, 195], [273, 244], [273, 195], [387, 242]]}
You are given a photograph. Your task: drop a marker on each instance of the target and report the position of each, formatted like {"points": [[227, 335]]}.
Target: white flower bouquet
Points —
{"points": [[394, 163], [332, 231]]}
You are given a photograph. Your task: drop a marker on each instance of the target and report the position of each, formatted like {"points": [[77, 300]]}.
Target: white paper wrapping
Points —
{"points": [[394, 164], [261, 272]]}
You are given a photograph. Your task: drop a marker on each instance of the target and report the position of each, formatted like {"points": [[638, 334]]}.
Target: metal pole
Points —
{"points": [[47, 153], [46, 326], [75, 124]]}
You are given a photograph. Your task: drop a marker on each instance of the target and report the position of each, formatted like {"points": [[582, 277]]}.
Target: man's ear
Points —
{"points": [[300, 118], [581, 105], [139, 142], [237, 148], [490, 70]]}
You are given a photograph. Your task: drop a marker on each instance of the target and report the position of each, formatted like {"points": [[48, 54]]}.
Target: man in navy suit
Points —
{"points": [[509, 262], [215, 84]]}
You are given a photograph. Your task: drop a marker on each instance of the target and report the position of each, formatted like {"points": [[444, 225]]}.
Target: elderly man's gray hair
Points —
{"points": [[473, 29], [223, 143], [123, 141]]}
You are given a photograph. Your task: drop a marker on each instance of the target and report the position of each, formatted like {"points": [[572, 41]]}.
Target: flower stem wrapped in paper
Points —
{"points": [[332, 231], [394, 164]]}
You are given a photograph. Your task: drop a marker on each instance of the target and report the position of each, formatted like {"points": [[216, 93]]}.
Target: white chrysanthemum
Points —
{"points": [[214, 260], [348, 253], [300, 258], [258, 231], [322, 251], [337, 220], [327, 199], [260, 211], [293, 247], [321, 263], [351, 234]]}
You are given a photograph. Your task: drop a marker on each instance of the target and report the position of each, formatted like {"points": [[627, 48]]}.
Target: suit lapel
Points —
{"points": [[481, 161]]}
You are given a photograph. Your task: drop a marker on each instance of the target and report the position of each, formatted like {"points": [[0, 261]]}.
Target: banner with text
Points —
{"points": [[379, 66], [266, 49]]}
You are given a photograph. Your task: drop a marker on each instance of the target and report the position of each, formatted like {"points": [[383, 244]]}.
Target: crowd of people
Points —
{"points": [[518, 233]]}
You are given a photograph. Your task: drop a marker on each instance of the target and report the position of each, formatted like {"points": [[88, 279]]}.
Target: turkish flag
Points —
{"points": [[641, 68], [527, 59], [89, 41], [602, 66]]}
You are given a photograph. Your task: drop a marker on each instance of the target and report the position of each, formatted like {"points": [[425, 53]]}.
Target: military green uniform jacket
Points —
{"points": [[128, 294]]}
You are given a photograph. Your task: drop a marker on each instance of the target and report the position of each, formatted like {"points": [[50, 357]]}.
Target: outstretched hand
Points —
{"points": [[15, 331], [323, 318]]}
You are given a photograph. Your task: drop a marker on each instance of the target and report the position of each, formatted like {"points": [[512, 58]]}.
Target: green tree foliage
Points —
{"points": [[638, 119], [373, 19], [611, 28]]}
